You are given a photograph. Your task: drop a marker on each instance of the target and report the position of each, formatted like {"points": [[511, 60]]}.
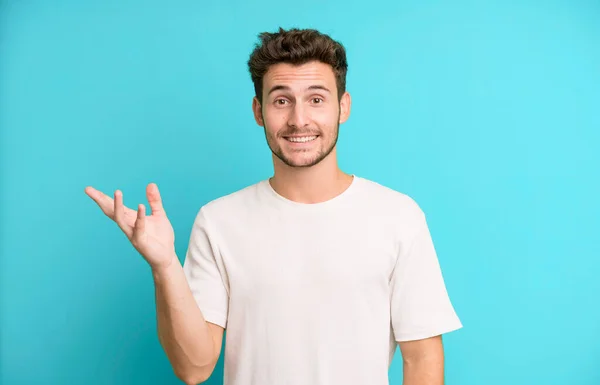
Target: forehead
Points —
{"points": [[300, 75]]}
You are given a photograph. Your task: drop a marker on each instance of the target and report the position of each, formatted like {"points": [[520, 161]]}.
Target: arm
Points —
{"points": [[423, 361], [192, 345], [421, 309]]}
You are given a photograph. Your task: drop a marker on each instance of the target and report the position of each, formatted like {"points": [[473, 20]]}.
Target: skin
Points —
{"points": [[423, 361], [297, 101]]}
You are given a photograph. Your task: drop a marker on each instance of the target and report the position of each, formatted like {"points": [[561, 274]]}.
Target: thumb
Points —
{"points": [[154, 199]]}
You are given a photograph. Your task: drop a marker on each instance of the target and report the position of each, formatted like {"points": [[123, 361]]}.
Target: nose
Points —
{"points": [[298, 116]]}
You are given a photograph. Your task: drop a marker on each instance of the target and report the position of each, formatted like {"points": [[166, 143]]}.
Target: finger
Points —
{"points": [[119, 215], [105, 202], [154, 199], [140, 222]]}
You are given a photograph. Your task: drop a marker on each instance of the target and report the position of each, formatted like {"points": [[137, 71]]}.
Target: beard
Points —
{"points": [[322, 153]]}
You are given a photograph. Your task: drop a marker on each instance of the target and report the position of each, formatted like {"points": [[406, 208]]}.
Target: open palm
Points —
{"points": [[151, 235]]}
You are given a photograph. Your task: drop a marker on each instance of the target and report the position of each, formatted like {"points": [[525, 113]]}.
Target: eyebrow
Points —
{"points": [[287, 88]]}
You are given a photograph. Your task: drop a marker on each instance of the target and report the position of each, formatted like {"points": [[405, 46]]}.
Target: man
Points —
{"points": [[315, 273]]}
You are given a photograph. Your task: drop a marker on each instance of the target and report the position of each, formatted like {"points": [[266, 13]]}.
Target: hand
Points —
{"points": [[152, 235]]}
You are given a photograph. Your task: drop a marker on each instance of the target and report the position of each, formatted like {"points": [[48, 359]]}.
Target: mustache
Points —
{"points": [[299, 133]]}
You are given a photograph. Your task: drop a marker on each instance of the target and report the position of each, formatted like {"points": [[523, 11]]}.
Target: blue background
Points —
{"points": [[486, 113]]}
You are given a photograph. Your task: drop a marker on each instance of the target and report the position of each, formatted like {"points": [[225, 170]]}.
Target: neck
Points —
{"points": [[319, 183]]}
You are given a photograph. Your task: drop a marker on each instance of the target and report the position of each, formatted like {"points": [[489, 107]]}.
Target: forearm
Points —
{"points": [[182, 329]]}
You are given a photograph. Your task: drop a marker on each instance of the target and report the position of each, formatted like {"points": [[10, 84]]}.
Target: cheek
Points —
{"points": [[275, 121], [325, 116], [326, 122]]}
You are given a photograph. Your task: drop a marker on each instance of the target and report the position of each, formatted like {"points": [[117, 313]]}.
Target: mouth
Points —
{"points": [[301, 139]]}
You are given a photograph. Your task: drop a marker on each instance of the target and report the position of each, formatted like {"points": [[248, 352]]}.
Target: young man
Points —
{"points": [[315, 273]]}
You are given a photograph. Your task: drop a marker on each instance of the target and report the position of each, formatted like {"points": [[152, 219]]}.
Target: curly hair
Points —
{"points": [[296, 46]]}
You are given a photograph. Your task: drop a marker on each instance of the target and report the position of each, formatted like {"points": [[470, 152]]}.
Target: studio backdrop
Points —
{"points": [[487, 113]]}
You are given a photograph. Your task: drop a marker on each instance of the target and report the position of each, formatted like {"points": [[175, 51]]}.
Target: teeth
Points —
{"points": [[302, 139]]}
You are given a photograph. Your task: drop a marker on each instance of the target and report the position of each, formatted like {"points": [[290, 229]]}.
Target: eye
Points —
{"points": [[318, 100], [280, 102]]}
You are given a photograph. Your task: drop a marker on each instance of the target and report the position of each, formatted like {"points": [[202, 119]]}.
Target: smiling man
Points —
{"points": [[302, 106], [316, 274]]}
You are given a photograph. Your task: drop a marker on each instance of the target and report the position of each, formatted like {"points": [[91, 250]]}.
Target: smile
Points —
{"points": [[301, 139]]}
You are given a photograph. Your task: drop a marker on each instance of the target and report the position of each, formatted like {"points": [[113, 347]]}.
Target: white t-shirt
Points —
{"points": [[320, 293]]}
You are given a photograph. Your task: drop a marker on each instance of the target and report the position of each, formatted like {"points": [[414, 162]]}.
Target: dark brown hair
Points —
{"points": [[297, 46]]}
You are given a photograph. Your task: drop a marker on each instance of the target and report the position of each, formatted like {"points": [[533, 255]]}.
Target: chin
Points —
{"points": [[301, 161]]}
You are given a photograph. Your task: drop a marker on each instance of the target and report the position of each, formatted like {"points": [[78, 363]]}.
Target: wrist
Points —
{"points": [[166, 269]]}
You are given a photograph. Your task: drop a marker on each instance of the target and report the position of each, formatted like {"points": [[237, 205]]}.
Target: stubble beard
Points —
{"points": [[322, 154]]}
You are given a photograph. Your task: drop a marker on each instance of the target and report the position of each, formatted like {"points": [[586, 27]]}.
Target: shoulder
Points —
{"points": [[382, 198], [234, 204]]}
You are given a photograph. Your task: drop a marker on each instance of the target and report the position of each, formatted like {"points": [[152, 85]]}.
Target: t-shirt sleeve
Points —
{"points": [[205, 272], [420, 305]]}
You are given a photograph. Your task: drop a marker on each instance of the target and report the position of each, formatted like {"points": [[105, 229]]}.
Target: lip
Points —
{"points": [[300, 144]]}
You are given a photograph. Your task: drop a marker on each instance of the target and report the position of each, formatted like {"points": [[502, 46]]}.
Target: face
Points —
{"points": [[301, 112]]}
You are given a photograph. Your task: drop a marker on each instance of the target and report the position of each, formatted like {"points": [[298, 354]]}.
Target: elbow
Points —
{"points": [[193, 380], [194, 377]]}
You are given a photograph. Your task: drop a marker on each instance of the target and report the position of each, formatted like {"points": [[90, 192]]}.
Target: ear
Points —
{"points": [[345, 104], [257, 110]]}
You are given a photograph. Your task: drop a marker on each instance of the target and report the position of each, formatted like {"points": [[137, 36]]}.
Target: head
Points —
{"points": [[299, 80]]}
